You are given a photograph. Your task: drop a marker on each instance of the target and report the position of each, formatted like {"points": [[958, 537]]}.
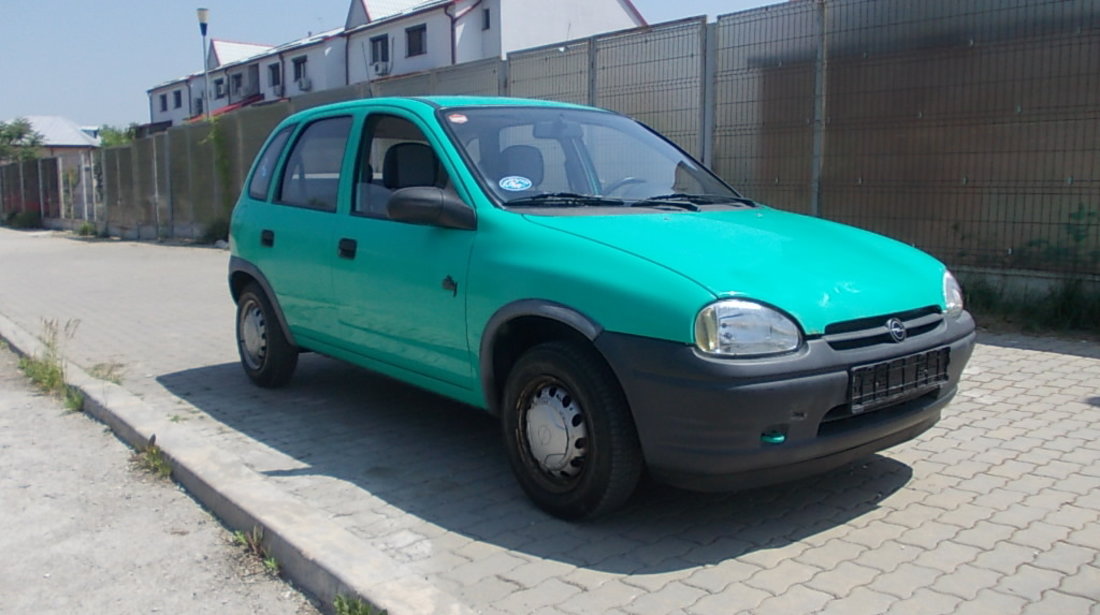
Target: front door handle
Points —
{"points": [[347, 248], [267, 238]]}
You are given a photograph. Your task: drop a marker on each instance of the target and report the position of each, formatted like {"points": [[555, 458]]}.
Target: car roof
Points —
{"points": [[438, 102]]}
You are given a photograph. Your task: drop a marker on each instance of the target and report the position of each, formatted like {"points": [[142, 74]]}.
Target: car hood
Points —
{"points": [[818, 271]]}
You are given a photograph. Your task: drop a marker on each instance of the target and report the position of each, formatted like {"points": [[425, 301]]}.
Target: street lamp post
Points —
{"points": [[204, 17]]}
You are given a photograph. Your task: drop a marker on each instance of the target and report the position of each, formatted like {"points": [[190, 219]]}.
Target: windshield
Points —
{"points": [[553, 157]]}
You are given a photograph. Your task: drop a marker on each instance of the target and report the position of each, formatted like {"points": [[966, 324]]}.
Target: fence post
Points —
{"points": [[41, 197], [168, 201], [592, 62], [821, 73], [710, 75], [156, 189]]}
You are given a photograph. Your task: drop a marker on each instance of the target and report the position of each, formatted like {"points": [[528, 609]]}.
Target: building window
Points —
{"points": [[163, 102], [177, 99], [299, 67], [380, 49], [236, 83], [486, 20], [219, 88], [198, 106], [275, 75], [416, 40]]}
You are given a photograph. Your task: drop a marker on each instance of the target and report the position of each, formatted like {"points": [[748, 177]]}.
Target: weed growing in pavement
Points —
{"points": [[153, 460], [354, 606], [47, 370], [86, 230], [111, 372], [253, 544]]}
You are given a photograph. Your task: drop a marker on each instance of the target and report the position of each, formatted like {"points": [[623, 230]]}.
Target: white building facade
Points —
{"points": [[381, 39]]}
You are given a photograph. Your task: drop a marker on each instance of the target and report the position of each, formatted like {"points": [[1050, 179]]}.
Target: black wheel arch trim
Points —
{"points": [[540, 308], [240, 265]]}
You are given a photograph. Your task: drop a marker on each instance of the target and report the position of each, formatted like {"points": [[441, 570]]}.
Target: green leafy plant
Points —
{"points": [[47, 370], [152, 459], [86, 230], [25, 220], [253, 544], [19, 141], [344, 605]]}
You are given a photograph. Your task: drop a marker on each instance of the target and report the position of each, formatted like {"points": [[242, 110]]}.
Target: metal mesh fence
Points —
{"points": [[558, 72], [656, 76], [764, 102], [970, 129], [472, 79]]}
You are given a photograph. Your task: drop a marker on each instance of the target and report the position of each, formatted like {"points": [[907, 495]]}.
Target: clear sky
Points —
{"points": [[93, 61]]}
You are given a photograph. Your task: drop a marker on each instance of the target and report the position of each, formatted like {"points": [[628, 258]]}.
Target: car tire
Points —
{"points": [[266, 355], [568, 431]]}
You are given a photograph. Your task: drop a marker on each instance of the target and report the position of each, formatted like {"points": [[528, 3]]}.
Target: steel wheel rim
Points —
{"points": [[554, 432], [253, 335]]}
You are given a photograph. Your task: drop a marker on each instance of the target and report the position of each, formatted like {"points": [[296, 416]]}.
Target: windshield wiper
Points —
{"points": [[696, 199], [563, 199]]}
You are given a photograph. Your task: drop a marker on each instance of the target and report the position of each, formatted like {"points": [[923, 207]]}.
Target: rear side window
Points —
{"points": [[311, 175], [261, 179]]}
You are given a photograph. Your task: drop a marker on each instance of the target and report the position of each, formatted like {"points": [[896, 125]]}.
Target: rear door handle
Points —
{"points": [[348, 247], [267, 238]]}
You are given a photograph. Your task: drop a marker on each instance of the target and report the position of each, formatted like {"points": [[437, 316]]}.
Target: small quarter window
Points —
{"points": [[311, 175], [261, 178]]}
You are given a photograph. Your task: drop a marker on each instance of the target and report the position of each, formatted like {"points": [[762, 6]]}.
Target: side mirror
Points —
{"points": [[430, 206]]}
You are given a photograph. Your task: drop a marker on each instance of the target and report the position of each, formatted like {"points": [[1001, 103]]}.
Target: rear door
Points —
{"points": [[294, 241]]}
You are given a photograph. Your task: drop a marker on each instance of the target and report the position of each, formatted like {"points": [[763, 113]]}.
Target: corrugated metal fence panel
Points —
{"points": [[10, 199], [656, 76], [551, 73], [764, 102], [472, 79], [49, 187], [969, 129], [32, 201]]}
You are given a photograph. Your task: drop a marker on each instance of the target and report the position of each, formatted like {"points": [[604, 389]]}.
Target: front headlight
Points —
{"points": [[952, 294], [742, 328]]}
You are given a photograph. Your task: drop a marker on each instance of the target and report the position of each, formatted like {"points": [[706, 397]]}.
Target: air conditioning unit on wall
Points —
{"points": [[380, 69], [304, 84]]}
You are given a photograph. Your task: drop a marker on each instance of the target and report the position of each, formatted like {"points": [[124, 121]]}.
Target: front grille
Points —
{"points": [[864, 332]]}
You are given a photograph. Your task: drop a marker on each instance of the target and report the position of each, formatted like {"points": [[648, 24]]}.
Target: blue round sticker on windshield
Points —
{"points": [[515, 183]]}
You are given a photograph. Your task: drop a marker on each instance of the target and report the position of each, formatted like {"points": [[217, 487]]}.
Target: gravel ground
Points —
{"points": [[85, 531]]}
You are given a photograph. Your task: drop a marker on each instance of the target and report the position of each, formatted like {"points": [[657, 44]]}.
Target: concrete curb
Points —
{"points": [[317, 554]]}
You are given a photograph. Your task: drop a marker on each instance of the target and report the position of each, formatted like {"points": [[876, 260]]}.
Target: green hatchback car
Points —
{"points": [[618, 306]]}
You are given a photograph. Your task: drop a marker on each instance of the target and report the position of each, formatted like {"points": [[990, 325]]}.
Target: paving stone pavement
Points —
{"points": [[995, 510]]}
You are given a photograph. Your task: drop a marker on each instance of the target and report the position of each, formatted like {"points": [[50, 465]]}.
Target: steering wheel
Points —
{"points": [[626, 181]]}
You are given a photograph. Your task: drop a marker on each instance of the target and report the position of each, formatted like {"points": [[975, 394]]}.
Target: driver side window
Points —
{"points": [[395, 154]]}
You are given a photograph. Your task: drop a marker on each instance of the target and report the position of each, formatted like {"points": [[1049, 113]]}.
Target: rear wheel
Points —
{"points": [[570, 438], [266, 355]]}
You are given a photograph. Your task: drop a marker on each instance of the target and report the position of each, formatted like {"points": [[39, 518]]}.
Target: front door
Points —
{"points": [[402, 287]]}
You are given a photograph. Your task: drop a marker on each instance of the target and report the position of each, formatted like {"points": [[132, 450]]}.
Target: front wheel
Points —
{"points": [[266, 355], [568, 431]]}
